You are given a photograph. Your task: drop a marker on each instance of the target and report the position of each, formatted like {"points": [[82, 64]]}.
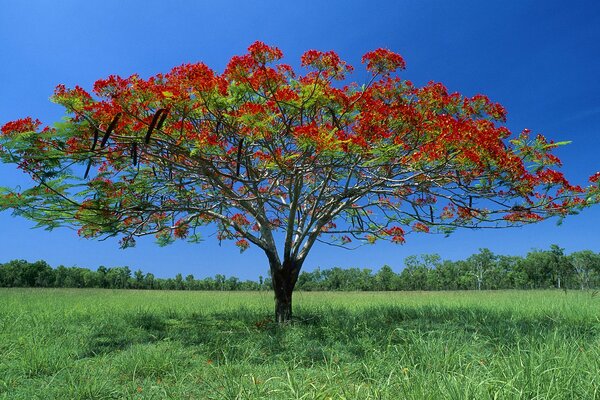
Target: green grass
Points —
{"points": [[102, 344]]}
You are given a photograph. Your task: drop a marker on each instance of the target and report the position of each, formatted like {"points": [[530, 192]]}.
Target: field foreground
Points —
{"points": [[103, 344]]}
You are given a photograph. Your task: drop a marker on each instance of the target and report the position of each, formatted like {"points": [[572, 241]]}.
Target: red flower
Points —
{"points": [[420, 227], [20, 126], [382, 61], [240, 219], [328, 62], [243, 244], [263, 53]]}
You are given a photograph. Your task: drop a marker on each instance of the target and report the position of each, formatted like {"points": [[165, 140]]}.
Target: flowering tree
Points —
{"points": [[281, 160]]}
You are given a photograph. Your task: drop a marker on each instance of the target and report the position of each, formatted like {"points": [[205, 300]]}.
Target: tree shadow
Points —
{"points": [[316, 335]]}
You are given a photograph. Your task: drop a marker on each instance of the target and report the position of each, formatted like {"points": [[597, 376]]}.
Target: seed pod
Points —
{"points": [[153, 124], [109, 130], [95, 139], [431, 213], [239, 157], [162, 119], [87, 170], [134, 153], [470, 201]]}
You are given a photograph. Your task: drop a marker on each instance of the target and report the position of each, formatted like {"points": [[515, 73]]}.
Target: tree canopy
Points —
{"points": [[282, 159]]}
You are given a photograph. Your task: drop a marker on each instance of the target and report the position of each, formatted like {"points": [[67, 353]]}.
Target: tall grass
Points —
{"points": [[103, 344]]}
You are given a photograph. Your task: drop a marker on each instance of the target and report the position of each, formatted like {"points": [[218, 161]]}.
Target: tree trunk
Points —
{"points": [[283, 307], [284, 277]]}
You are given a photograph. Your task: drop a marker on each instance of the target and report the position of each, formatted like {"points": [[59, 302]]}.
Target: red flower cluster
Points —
{"points": [[420, 227], [243, 244], [240, 219], [383, 61], [20, 126], [326, 62], [262, 53]]}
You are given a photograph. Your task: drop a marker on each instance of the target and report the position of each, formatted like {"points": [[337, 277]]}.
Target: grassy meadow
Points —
{"points": [[126, 344]]}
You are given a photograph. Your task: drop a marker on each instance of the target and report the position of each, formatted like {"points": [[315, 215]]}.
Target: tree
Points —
{"points": [[149, 281], [481, 264], [586, 264], [560, 265], [538, 267], [418, 271], [190, 282], [510, 273], [281, 159], [138, 279]]}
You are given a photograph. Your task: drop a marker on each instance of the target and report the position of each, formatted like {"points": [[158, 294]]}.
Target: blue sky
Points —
{"points": [[540, 59]]}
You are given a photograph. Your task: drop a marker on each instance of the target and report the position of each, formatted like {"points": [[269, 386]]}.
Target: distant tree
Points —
{"points": [[385, 278], [138, 279], [118, 277], [190, 282], [447, 274], [509, 273], [481, 264], [308, 280], [416, 272], [91, 279], [74, 277], [220, 282], [149, 281], [232, 283], [102, 279], [586, 266], [11, 274], [560, 265], [179, 285], [538, 267]]}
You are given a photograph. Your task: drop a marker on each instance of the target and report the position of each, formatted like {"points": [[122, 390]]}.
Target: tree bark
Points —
{"points": [[284, 277], [283, 307]]}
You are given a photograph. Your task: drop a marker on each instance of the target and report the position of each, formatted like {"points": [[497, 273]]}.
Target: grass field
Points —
{"points": [[102, 344]]}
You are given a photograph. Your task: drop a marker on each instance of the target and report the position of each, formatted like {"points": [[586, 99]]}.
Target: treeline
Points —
{"points": [[539, 269], [20, 273]]}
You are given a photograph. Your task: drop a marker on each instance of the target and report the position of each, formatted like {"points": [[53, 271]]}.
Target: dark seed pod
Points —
{"points": [[431, 213], [109, 130], [95, 139], [153, 124], [134, 154], [87, 170], [470, 201], [162, 119], [154, 172], [239, 157]]}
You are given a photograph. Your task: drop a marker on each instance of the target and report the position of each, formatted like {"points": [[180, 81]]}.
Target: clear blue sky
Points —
{"points": [[540, 59]]}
